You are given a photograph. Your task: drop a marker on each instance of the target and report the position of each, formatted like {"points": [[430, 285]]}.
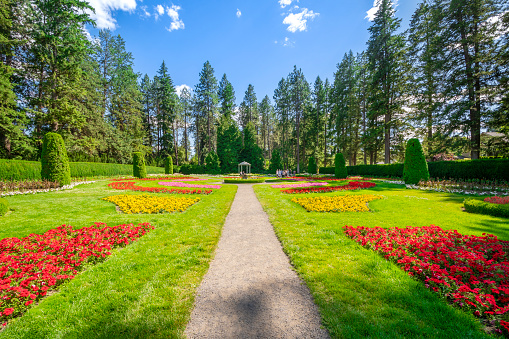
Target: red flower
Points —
{"points": [[8, 311]]}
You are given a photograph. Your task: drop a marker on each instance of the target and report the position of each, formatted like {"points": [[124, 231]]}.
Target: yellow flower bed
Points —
{"points": [[132, 204], [342, 203]]}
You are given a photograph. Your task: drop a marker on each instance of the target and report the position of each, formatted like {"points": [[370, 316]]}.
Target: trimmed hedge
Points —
{"points": [[4, 207], [340, 170], [54, 161], [168, 165], [243, 181], [327, 170], [483, 207], [415, 168], [31, 170], [139, 169], [191, 169]]}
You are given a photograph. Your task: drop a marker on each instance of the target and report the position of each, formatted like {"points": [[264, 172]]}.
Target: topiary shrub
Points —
{"points": [[312, 168], [4, 207], [139, 169], [482, 207], [168, 165], [54, 161], [415, 168], [340, 170]]}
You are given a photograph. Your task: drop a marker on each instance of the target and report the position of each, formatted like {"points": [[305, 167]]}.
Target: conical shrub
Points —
{"points": [[416, 167], [139, 169], [312, 169], [168, 165], [54, 161], [340, 170]]}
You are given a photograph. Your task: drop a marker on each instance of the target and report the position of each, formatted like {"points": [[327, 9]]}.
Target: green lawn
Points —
{"points": [[144, 290], [358, 292]]}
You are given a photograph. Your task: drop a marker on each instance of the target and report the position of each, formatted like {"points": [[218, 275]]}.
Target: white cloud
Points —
{"points": [[104, 8], [159, 11], [298, 21], [239, 13], [284, 3], [286, 42], [179, 89], [176, 23], [370, 15]]}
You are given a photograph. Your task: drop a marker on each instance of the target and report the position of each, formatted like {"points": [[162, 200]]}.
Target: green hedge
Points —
{"points": [[191, 169], [54, 160], [168, 165], [340, 170], [482, 207], [415, 168], [243, 181], [31, 170], [4, 206], [489, 169]]}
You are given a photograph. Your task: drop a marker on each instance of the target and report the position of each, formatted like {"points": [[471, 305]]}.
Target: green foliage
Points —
{"points": [[491, 169], [243, 181], [229, 144], [168, 165], [415, 168], [483, 207], [275, 161], [251, 152], [4, 206], [191, 169], [212, 165], [340, 170], [139, 169], [54, 161], [312, 168], [386, 171]]}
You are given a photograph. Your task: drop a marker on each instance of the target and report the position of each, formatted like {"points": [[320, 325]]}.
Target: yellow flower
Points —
{"points": [[131, 204], [341, 203]]}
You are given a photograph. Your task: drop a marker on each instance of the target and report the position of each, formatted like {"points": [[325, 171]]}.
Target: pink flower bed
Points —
{"points": [[181, 184], [306, 184], [189, 179]]}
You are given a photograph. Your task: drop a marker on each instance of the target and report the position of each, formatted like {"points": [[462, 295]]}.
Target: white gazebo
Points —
{"points": [[245, 165]]}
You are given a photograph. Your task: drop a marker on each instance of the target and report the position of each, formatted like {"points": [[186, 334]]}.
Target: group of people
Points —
{"points": [[282, 173]]}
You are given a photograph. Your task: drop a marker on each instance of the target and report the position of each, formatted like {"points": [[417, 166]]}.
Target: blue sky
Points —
{"points": [[253, 42]]}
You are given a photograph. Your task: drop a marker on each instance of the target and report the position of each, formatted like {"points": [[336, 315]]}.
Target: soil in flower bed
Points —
{"points": [[130, 185], [31, 267], [471, 272], [131, 204], [352, 185]]}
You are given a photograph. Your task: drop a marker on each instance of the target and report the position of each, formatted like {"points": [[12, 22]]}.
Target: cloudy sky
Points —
{"points": [[255, 41]]}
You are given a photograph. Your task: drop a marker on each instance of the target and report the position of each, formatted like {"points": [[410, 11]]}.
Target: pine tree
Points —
{"points": [[206, 105], [167, 99], [186, 105], [299, 93], [275, 161], [282, 108], [251, 152], [226, 96], [249, 112], [266, 113]]}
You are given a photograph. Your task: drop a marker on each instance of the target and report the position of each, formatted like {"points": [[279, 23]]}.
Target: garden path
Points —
{"points": [[250, 290]]}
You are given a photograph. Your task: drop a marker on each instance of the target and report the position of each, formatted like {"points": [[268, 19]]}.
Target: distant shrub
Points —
{"points": [[139, 169], [327, 170], [340, 166], [168, 165], [415, 168], [54, 161], [243, 181], [482, 207], [4, 206], [191, 169], [489, 169], [312, 168]]}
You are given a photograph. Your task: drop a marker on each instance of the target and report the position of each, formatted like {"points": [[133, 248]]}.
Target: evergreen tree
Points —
{"points": [[226, 96], [251, 152], [229, 144], [299, 93], [167, 99], [206, 106], [275, 161], [266, 113], [212, 165], [249, 112], [186, 105], [282, 109]]}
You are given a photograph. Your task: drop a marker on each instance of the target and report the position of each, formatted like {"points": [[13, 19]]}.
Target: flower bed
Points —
{"points": [[158, 178], [305, 184], [342, 203], [181, 184], [34, 265], [471, 272], [147, 204], [130, 185], [353, 185], [43, 190], [497, 200], [481, 187]]}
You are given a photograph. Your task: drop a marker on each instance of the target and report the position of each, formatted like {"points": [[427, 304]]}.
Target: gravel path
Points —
{"points": [[250, 290]]}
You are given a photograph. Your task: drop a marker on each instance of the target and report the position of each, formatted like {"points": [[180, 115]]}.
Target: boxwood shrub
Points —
{"points": [[54, 161], [415, 168], [340, 166], [168, 165], [139, 169], [4, 206], [483, 207]]}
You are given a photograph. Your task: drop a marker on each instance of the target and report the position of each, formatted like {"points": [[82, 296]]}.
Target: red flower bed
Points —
{"points": [[130, 185], [34, 265], [352, 185], [472, 272], [153, 179], [498, 200]]}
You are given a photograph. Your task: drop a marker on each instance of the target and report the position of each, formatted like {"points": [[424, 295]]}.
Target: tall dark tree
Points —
{"points": [[249, 112], [226, 96], [299, 93], [167, 99], [206, 104]]}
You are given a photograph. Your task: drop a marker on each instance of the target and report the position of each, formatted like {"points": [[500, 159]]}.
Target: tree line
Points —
{"points": [[443, 80]]}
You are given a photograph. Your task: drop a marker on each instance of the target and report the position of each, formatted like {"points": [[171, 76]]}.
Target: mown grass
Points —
{"points": [[359, 293], [144, 290]]}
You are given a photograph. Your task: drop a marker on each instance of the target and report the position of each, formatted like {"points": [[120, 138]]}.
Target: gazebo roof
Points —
{"points": [[245, 163]]}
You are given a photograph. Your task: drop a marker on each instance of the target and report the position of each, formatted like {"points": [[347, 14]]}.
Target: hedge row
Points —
{"points": [[4, 206], [482, 207], [490, 169], [31, 170], [244, 181]]}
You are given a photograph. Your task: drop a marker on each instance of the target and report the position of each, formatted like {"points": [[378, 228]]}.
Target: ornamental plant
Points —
{"points": [[139, 169], [353, 185], [340, 170], [54, 161], [305, 184], [168, 165], [415, 168], [181, 184], [147, 204], [312, 168], [130, 185], [4, 207], [338, 203]]}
